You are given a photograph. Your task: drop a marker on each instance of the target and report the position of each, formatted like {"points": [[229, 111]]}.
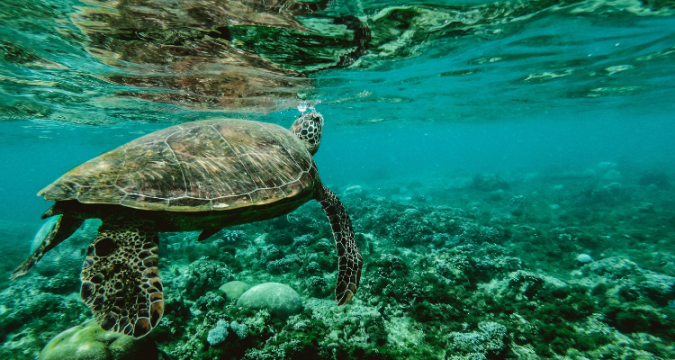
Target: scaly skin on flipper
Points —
{"points": [[120, 280], [350, 261], [64, 227]]}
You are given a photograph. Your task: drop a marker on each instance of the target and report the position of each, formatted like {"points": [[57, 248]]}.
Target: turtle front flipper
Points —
{"points": [[350, 261], [61, 230], [120, 279]]}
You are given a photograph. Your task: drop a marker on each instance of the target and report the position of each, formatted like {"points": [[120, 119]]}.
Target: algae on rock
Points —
{"points": [[89, 342]]}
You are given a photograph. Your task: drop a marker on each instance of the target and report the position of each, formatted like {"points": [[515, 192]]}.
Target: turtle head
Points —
{"points": [[309, 127]]}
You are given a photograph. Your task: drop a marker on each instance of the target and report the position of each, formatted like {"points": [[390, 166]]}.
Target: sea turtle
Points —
{"points": [[203, 175]]}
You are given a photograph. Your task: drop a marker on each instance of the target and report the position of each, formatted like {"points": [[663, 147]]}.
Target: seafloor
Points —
{"points": [[455, 267]]}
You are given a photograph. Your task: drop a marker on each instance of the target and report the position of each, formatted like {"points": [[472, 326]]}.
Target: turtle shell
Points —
{"points": [[199, 166]]}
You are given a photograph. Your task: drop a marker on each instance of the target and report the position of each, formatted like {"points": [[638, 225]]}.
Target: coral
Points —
{"points": [[287, 264], [232, 236], [422, 225], [89, 342], [270, 253], [311, 268], [657, 287], [495, 276], [317, 286], [240, 329], [233, 289], [182, 248], [359, 327], [218, 334], [420, 198], [612, 268], [202, 276], [488, 340], [609, 194], [44, 313], [280, 238], [401, 332], [626, 281], [57, 284], [210, 301], [176, 319], [278, 299], [518, 204]]}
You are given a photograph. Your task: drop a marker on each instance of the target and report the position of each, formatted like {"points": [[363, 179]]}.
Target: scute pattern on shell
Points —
{"points": [[199, 166]]}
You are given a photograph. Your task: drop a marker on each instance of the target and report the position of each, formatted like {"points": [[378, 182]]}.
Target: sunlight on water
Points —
{"points": [[104, 58]]}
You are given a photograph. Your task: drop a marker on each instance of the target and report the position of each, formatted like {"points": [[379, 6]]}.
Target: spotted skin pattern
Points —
{"points": [[120, 279], [350, 261]]}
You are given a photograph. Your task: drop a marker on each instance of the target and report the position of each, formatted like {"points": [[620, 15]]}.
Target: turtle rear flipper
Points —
{"points": [[207, 233], [120, 279], [349, 256], [64, 227]]}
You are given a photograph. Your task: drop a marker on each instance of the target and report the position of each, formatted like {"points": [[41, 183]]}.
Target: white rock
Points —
{"points": [[354, 189], [277, 299]]}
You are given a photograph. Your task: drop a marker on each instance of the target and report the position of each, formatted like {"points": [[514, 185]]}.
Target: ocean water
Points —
{"points": [[507, 167]]}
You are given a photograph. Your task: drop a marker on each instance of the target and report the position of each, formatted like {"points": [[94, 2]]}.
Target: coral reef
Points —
{"points": [[487, 341], [577, 265], [201, 276]]}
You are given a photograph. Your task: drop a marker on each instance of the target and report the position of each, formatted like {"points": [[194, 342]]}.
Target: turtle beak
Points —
{"points": [[317, 118]]}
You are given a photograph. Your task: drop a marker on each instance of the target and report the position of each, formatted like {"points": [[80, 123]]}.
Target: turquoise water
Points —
{"points": [[480, 149]]}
